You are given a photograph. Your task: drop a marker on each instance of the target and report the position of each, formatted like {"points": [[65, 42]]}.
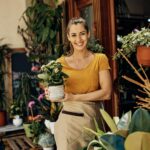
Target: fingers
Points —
{"points": [[46, 93]]}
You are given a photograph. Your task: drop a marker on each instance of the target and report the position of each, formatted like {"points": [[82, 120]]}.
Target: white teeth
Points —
{"points": [[79, 44]]}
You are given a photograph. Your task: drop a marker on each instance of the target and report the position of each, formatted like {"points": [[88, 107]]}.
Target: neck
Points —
{"points": [[80, 54]]}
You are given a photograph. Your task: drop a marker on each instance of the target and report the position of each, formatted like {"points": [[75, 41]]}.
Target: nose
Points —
{"points": [[78, 39]]}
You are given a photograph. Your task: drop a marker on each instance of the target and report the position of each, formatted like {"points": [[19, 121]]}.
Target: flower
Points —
{"points": [[52, 74], [47, 109], [30, 105], [40, 97]]}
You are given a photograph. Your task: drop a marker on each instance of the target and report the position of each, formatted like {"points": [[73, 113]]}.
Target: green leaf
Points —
{"points": [[45, 34], [110, 122], [113, 142], [100, 132], [140, 121], [98, 143], [124, 121], [138, 141]]}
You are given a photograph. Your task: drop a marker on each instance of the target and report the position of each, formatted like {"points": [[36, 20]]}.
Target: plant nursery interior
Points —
{"points": [[33, 36]]}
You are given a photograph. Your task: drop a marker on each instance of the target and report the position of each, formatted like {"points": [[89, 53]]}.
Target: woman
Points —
{"points": [[89, 83]]}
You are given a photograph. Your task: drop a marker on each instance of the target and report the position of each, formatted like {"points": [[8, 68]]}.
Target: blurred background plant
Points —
{"points": [[5, 50], [43, 22], [15, 110]]}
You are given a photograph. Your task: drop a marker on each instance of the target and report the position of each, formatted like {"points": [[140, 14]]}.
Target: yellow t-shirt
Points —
{"points": [[87, 79]]}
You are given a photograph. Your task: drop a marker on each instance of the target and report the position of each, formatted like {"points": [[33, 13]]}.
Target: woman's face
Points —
{"points": [[78, 36]]}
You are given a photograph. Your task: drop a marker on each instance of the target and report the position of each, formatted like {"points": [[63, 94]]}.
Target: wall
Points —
{"points": [[10, 13]]}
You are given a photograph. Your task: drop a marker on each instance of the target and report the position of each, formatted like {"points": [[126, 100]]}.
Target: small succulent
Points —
{"points": [[46, 140]]}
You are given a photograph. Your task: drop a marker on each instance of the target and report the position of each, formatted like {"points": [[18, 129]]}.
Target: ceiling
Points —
{"points": [[138, 7]]}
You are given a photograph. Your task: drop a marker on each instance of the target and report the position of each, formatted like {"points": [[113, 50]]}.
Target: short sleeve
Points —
{"points": [[103, 62]]}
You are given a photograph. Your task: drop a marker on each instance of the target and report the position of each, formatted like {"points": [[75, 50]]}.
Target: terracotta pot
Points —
{"points": [[2, 118], [143, 55]]}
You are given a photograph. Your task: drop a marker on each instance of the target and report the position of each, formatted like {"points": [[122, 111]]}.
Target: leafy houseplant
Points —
{"points": [[43, 22], [15, 110], [128, 46], [47, 140], [52, 75], [124, 134], [131, 41], [4, 51]]}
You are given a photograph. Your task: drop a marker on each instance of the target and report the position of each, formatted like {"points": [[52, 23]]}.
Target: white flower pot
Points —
{"points": [[17, 121], [48, 148], [50, 125], [56, 92]]}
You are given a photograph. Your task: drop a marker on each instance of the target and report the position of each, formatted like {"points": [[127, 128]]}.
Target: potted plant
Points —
{"points": [[132, 131], [47, 141], [51, 75], [16, 113], [135, 42], [4, 51]]}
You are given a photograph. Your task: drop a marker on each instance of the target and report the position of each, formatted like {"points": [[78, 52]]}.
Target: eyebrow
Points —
{"points": [[80, 32]]}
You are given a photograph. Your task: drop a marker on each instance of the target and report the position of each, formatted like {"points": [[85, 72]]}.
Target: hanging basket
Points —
{"points": [[143, 55]]}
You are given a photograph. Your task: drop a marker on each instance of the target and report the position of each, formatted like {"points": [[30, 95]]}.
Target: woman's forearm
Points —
{"points": [[93, 96]]}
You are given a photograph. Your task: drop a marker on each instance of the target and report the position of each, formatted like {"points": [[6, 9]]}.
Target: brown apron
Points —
{"points": [[69, 129]]}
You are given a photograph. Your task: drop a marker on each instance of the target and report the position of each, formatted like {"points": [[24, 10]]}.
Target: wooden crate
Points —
{"points": [[19, 143]]}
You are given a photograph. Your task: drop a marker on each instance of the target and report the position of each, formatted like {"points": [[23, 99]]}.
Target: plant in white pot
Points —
{"points": [[46, 141], [16, 113], [53, 77]]}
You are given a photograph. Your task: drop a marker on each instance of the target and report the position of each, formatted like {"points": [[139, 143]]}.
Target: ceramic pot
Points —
{"points": [[27, 130], [17, 121], [56, 92], [48, 148], [50, 125], [143, 55]]}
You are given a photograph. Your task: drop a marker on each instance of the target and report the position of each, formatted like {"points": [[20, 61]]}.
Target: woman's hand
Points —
{"points": [[67, 97], [46, 93]]}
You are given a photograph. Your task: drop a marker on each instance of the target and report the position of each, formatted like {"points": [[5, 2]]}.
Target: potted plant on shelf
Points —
{"points": [[137, 42], [47, 141], [16, 113], [53, 77]]}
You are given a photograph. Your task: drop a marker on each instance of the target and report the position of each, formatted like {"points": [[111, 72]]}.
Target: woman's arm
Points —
{"points": [[104, 93]]}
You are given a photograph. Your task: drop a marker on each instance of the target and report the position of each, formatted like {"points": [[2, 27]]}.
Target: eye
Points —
{"points": [[83, 33], [73, 35]]}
